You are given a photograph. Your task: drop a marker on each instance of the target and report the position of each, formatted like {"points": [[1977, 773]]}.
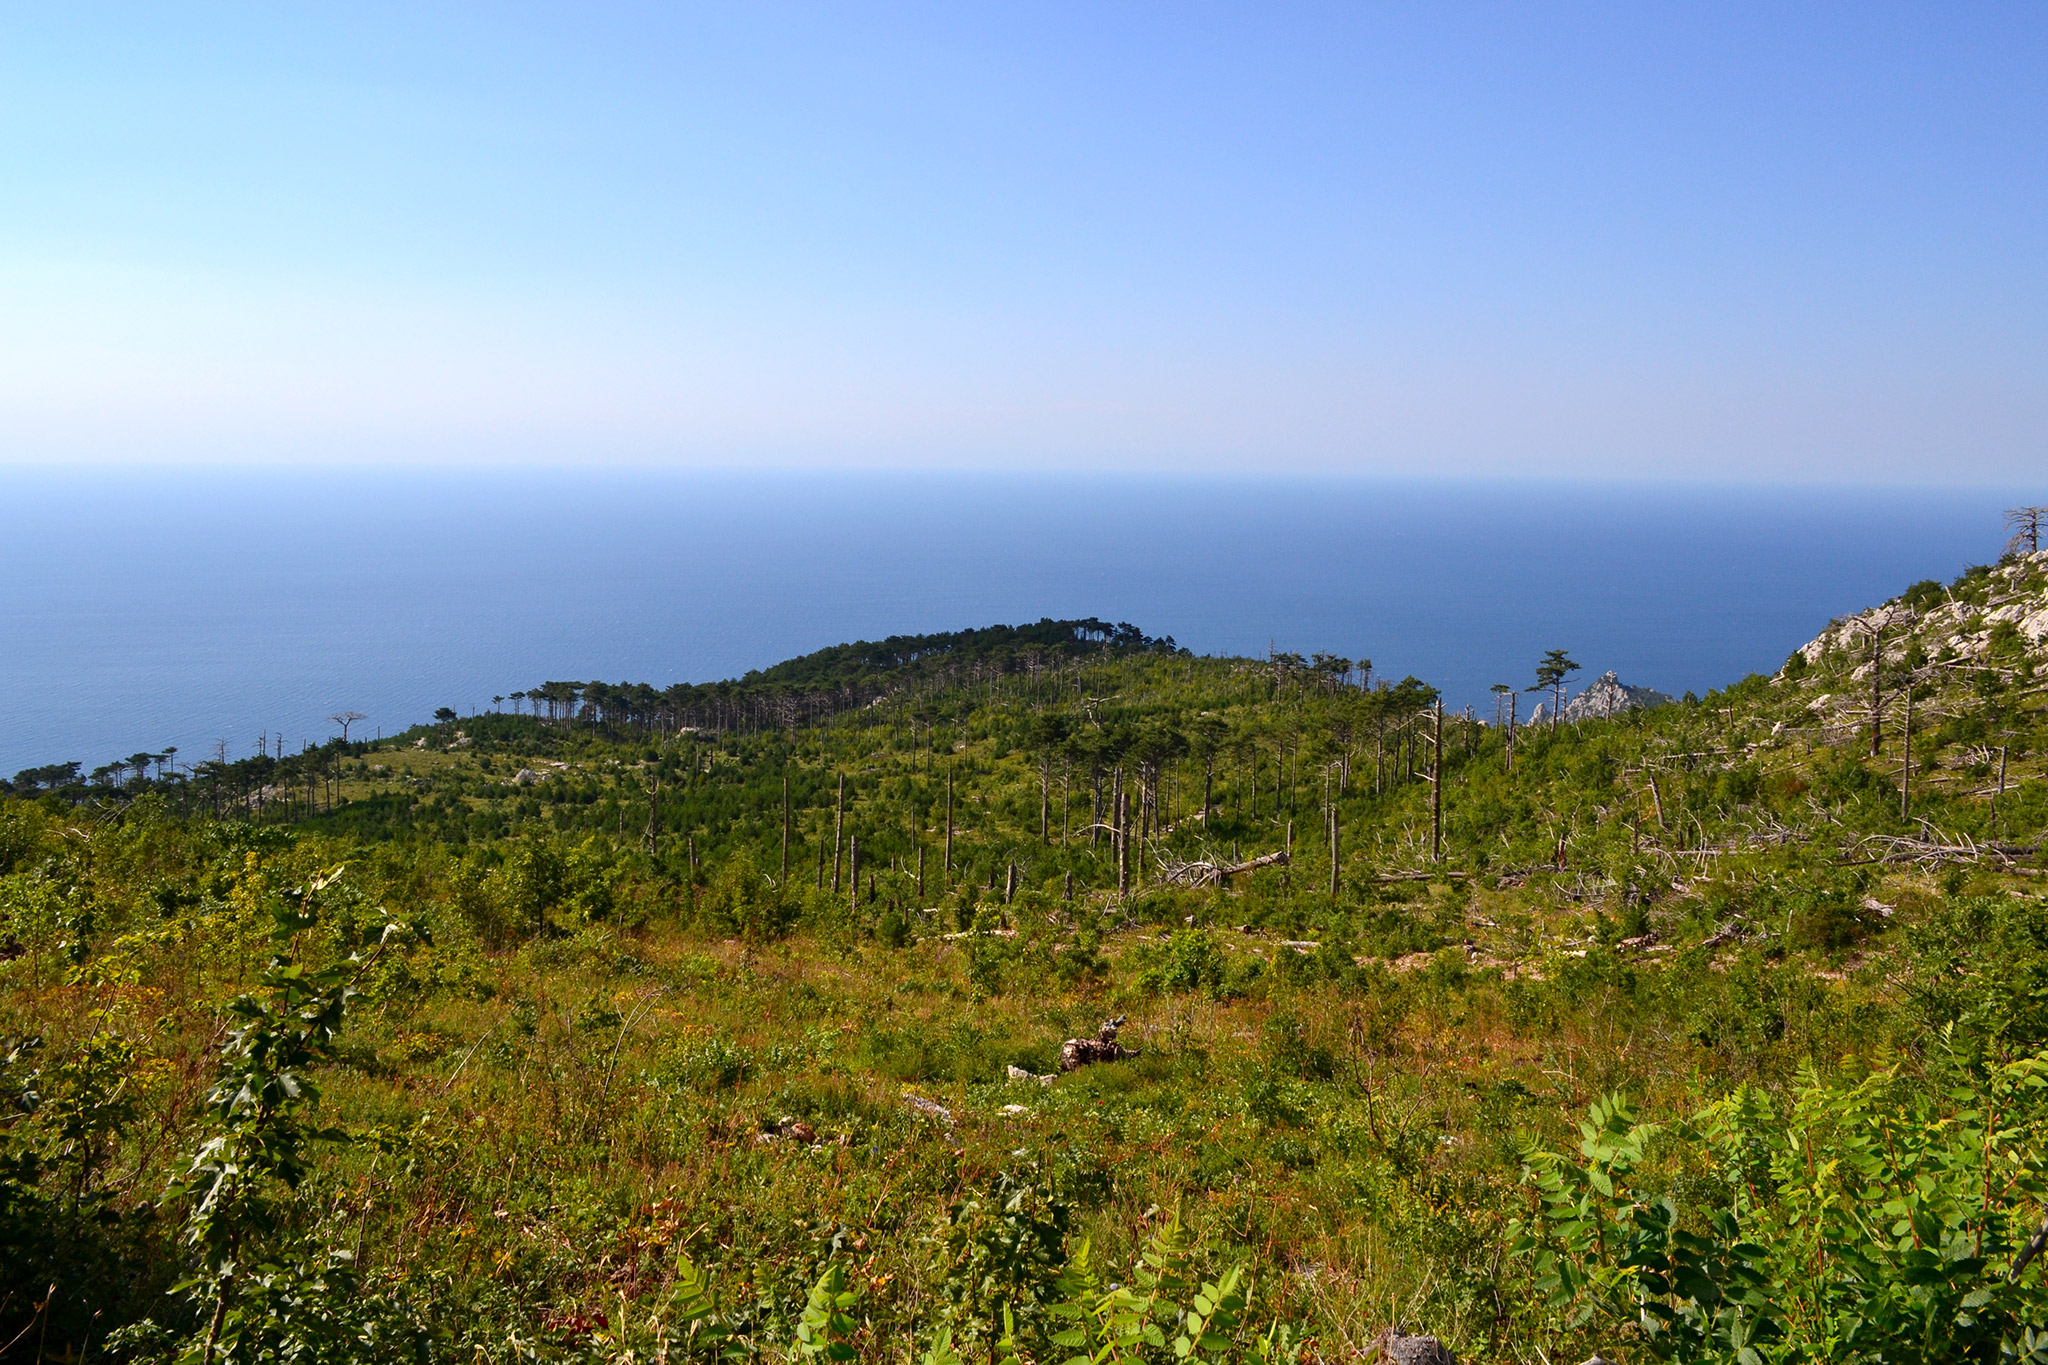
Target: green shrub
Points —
{"points": [[1872, 1220], [744, 901]]}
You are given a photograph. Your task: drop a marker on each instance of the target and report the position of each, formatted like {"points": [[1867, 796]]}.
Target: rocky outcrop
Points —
{"points": [[1956, 625], [1607, 696], [1988, 627]]}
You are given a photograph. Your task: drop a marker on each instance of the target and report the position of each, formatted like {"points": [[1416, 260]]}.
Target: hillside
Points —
{"points": [[616, 1031]]}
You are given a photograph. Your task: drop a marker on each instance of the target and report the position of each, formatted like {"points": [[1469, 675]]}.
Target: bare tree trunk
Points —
{"points": [[785, 831], [653, 817], [853, 882], [949, 823], [920, 873], [838, 827], [1045, 800], [1010, 885], [1436, 793], [1336, 852], [1123, 843], [1145, 814], [1514, 705], [1906, 760], [1876, 688]]}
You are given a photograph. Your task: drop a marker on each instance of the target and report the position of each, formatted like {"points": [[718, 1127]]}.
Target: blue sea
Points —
{"points": [[142, 610]]}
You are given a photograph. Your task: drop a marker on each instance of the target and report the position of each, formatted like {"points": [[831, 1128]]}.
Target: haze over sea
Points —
{"points": [[148, 609]]}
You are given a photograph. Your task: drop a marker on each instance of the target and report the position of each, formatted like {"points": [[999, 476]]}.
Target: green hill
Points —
{"points": [[614, 1028]]}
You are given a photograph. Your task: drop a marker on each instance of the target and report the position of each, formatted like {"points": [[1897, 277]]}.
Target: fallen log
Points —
{"points": [[1205, 873]]}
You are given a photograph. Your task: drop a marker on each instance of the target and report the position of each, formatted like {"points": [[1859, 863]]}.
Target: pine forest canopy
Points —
{"points": [[842, 676]]}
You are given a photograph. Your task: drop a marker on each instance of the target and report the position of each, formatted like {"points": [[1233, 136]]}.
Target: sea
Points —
{"points": [[216, 610]]}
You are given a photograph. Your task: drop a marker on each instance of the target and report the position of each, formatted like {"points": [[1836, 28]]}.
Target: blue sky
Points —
{"points": [[1709, 242]]}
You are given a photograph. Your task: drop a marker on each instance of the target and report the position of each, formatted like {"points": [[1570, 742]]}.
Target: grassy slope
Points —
{"points": [[568, 1086]]}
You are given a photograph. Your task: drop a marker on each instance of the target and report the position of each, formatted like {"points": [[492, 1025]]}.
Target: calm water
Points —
{"points": [[145, 610]]}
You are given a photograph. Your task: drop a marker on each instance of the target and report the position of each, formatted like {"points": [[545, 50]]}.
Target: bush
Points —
{"points": [[1904, 1243], [745, 902], [1189, 961]]}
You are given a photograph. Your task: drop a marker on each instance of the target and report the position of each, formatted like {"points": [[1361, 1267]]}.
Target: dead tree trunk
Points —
{"points": [[1906, 760], [654, 817], [1123, 844], [838, 829], [1514, 704], [1045, 800], [1436, 788], [1335, 850]]}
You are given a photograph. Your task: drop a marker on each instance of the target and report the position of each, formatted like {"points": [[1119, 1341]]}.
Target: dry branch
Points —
{"points": [[1203, 872]]}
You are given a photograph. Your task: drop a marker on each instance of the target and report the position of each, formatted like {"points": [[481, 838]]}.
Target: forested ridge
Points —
{"points": [[621, 1024]]}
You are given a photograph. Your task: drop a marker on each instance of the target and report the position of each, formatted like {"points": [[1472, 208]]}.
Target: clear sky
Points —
{"points": [[1715, 241]]}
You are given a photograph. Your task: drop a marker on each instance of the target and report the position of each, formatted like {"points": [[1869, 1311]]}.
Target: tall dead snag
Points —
{"points": [[1906, 759], [1436, 788], [1123, 844], [2025, 524], [653, 840], [1045, 799], [1335, 850], [838, 829], [1514, 704], [949, 823], [1876, 626]]}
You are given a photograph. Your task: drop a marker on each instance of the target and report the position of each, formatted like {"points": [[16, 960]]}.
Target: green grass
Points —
{"points": [[577, 1068]]}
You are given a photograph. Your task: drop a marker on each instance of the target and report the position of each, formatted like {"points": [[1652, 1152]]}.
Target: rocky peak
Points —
{"points": [[1607, 695]]}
